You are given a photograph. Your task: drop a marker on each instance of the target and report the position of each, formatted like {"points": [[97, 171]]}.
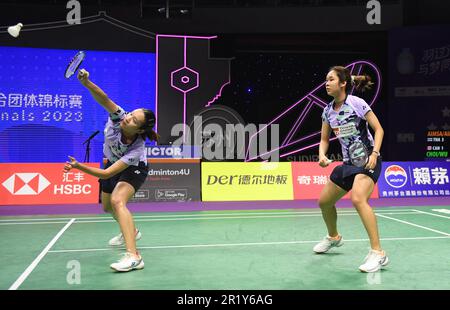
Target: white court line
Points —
{"points": [[412, 224], [33, 223], [446, 211], [193, 215], [438, 215], [240, 244], [201, 218], [230, 217], [36, 261]]}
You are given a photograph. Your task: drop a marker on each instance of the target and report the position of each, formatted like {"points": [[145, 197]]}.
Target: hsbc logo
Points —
{"points": [[44, 183], [26, 183]]}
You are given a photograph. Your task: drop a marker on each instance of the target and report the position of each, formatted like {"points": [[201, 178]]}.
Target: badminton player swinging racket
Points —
{"points": [[125, 171]]}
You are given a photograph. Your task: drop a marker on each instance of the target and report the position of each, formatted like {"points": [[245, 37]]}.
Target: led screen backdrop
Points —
{"points": [[44, 117]]}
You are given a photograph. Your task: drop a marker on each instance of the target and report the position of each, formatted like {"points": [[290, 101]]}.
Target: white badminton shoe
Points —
{"points": [[128, 262], [119, 240], [374, 261], [327, 243]]}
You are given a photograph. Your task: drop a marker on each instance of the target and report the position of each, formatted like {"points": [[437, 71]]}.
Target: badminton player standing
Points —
{"points": [[125, 171], [347, 116]]}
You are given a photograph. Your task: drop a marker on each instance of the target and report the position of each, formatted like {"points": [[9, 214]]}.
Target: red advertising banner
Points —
{"points": [[309, 179], [44, 183]]}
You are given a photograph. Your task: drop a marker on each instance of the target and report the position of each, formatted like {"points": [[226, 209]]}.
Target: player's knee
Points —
{"points": [[358, 200], [324, 203], [117, 203]]}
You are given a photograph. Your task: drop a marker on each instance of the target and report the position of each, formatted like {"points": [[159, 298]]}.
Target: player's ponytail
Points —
{"points": [[360, 82], [148, 126]]}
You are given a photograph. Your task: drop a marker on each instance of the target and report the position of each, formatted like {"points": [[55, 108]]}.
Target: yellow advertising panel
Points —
{"points": [[241, 181]]}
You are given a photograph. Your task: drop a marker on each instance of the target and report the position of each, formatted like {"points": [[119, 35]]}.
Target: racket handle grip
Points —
{"points": [[84, 72]]}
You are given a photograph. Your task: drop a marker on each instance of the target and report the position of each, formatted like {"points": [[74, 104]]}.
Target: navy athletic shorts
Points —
{"points": [[133, 175], [344, 175]]}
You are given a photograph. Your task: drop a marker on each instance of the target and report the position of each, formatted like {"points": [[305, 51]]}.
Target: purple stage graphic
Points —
{"points": [[298, 137], [188, 80]]}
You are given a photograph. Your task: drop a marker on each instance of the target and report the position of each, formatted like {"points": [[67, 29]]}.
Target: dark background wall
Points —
{"points": [[235, 16]]}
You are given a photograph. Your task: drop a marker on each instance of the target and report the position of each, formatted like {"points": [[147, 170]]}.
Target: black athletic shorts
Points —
{"points": [[344, 175], [133, 175]]}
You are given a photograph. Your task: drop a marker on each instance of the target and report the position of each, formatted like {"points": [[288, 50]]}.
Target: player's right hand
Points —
{"points": [[83, 76], [69, 165], [324, 161]]}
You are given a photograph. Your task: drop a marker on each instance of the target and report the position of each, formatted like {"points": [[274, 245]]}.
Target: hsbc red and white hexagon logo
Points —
{"points": [[26, 183]]}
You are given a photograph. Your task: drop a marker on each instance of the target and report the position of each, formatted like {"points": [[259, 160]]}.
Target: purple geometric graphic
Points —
{"points": [[220, 92], [311, 100], [184, 79]]}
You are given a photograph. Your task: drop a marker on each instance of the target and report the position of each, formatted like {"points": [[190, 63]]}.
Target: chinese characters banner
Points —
{"points": [[414, 179], [309, 179], [43, 183]]}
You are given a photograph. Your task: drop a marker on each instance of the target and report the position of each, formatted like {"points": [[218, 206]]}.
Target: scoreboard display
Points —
{"points": [[438, 142]]}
